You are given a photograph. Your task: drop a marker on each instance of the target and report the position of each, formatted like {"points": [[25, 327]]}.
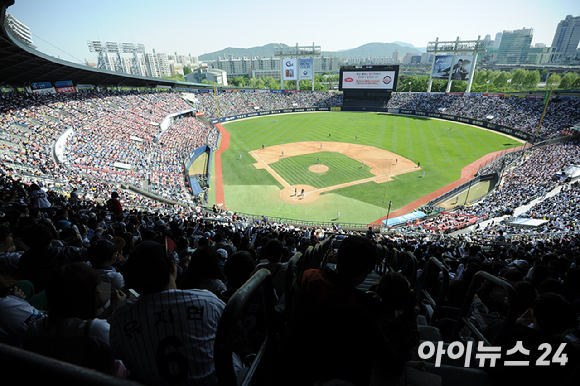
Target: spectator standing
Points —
{"points": [[114, 205]]}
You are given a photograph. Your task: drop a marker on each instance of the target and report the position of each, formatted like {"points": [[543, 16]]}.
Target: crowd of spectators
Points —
{"points": [[116, 135], [532, 177], [518, 113], [442, 223], [233, 103], [78, 242], [114, 130], [559, 214]]}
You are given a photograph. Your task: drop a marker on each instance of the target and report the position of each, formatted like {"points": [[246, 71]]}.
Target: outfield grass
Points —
{"points": [[341, 169], [441, 152]]}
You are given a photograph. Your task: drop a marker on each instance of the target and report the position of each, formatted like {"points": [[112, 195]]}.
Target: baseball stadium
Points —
{"points": [[161, 232]]}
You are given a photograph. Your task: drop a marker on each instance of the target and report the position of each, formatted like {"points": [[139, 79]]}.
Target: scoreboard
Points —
{"points": [[361, 78]]}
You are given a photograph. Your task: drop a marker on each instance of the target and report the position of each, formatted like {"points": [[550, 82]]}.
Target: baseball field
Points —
{"points": [[311, 166]]}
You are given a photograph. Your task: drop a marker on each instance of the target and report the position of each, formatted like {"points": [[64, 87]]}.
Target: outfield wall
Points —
{"points": [[271, 112], [476, 122]]}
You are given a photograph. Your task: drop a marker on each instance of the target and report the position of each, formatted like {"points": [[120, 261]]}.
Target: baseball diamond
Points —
{"points": [[368, 162]]}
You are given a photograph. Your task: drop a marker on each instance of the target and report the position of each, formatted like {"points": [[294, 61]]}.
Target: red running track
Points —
{"points": [[219, 183]]}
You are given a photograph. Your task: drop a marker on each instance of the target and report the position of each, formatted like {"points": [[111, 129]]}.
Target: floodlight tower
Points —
{"points": [[113, 48], [97, 46], [130, 48]]}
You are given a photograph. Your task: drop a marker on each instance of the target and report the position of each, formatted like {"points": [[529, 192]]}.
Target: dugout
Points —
{"points": [[197, 168]]}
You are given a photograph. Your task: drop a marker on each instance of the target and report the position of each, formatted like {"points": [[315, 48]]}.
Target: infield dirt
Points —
{"points": [[383, 164]]}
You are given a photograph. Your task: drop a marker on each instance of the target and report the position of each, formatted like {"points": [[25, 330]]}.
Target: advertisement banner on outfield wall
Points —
{"points": [[283, 111], [481, 123], [306, 68], [289, 69], [442, 67]]}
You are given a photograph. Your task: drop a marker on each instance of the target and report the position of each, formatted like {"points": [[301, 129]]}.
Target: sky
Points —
{"points": [[61, 28]]}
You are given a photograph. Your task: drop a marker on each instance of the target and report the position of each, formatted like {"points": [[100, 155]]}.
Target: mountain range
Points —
{"points": [[371, 50]]}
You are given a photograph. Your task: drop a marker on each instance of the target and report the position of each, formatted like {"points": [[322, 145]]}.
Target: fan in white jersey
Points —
{"points": [[166, 336]]}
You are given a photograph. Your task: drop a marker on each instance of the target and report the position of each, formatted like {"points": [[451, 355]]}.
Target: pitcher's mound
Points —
{"points": [[318, 168]]}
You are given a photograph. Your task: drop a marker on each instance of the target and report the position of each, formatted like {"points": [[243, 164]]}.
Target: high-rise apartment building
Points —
{"points": [[515, 46], [260, 67], [566, 39], [497, 41]]}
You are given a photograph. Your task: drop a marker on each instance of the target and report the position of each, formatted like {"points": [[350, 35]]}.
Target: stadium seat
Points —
{"points": [[465, 324], [434, 288], [292, 287], [27, 367], [262, 369]]}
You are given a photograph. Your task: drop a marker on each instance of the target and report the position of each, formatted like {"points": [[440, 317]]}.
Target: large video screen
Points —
{"points": [[369, 78]]}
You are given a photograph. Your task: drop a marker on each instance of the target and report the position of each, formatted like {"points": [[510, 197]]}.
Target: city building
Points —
{"points": [[515, 46], [540, 54], [497, 40], [566, 39], [152, 69], [407, 58], [426, 58], [263, 67], [210, 74]]}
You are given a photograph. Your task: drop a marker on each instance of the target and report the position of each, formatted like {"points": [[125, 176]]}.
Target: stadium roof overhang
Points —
{"points": [[21, 65]]}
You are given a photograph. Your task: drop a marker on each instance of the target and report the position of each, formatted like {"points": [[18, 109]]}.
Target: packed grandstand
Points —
{"points": [[100, 171]]}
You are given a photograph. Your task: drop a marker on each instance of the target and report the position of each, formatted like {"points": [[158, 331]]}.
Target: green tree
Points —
{"points": [[174, 76], [260, 83], [458, 86], [568, 80], [272, 84], [553, 81], [500, 81], [519, 78], [422, 83], [439, 85], [532, 80], [576, 84], [305, 85], [186, 70], [479, 77], [237, 81]]}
